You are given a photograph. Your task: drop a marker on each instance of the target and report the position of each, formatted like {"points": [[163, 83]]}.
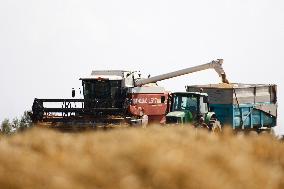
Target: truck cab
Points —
{"points": [[189, 107]]}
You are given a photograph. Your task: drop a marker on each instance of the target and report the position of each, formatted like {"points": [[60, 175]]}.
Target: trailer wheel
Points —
{"points": [[215, 126], [267, 132], [253, 133]]}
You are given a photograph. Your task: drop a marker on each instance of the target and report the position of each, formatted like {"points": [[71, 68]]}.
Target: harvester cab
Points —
{"points": [[102, 90], [191, 108], [106, 90]]}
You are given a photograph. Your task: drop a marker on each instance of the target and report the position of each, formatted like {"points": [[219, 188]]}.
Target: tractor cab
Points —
{"points": [[187, 107]]}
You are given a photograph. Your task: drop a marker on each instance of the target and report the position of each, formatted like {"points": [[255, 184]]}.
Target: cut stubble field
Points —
{"points": [[155, 157]]}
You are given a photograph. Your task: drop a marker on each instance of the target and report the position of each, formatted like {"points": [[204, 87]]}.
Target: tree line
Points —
{"points": [[17, 124]]}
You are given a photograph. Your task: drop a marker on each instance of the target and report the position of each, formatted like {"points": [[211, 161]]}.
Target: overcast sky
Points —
{"points": [[45, 46]]}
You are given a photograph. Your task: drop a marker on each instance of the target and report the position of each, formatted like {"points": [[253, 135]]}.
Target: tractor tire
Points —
{"points": [[215, 126]]}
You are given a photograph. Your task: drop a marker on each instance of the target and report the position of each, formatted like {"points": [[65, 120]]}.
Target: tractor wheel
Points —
{"points": [[215, 126]]}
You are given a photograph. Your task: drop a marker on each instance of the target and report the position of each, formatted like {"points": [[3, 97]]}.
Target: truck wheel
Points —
{"points": [[215, 126]]}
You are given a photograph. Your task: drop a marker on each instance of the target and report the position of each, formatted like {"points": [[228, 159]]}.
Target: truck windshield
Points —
{"points": [[181, 103]]}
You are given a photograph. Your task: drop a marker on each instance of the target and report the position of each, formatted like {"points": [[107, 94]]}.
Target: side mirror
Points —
{"points": [[73, 93]]}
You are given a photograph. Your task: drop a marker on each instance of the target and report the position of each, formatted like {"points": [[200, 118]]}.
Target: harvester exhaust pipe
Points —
{"points": [[215, 64]]}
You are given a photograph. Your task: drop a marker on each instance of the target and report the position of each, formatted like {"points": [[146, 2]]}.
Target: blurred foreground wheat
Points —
{"points": [[140, 158]]}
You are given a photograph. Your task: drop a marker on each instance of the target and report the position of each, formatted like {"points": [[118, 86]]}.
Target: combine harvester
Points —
{"points": [[114, 97]]}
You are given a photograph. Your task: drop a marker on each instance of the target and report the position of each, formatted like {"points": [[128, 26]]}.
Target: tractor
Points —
{"points": [[192, 108]]}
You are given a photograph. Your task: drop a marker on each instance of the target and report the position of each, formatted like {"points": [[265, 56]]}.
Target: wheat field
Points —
{"points": [[140, 158]]}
